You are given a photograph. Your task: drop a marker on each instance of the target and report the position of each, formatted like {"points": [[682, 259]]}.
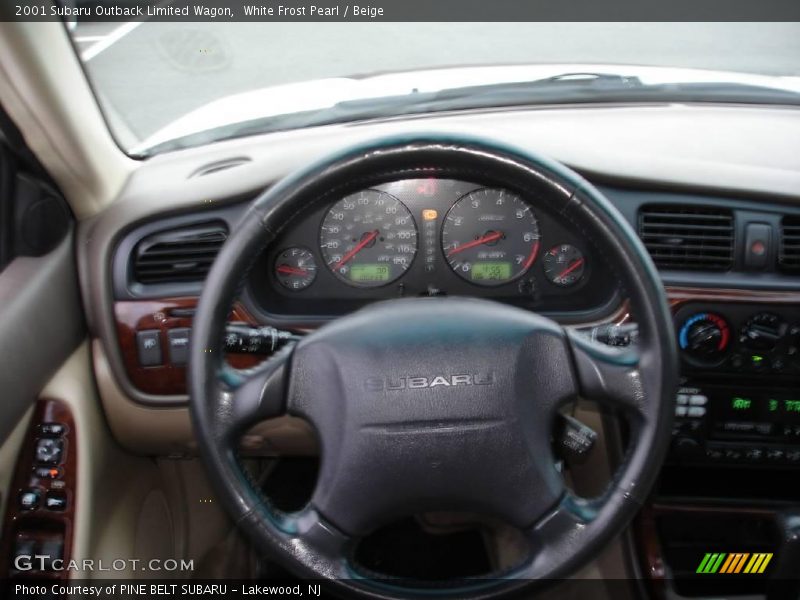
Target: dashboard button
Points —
{"points": [[148, 344], [29, 499], [49, 451], [55, 501], [754, 454], [696, 412], [682, 399], [680, 411], [52, 429], [48, 472], [178, 340], [775, 455], [698, 400]]}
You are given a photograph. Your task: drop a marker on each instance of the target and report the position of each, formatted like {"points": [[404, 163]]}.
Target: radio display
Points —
{"points": [[758, 407], [756, 413]]}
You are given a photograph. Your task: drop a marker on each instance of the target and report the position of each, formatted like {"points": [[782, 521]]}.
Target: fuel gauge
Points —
{"points": [[564, 265], [295, 268]]}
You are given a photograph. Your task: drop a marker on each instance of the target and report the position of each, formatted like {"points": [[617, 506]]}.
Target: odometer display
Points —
{"points": [[490, 237], [491, 271], [368, 239], [370, 273]]}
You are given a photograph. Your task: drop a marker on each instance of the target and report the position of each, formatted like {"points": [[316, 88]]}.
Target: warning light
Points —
{"points": [[429, 214]]}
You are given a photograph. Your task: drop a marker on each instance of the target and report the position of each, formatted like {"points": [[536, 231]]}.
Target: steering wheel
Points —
{"points": [[393, 443]]}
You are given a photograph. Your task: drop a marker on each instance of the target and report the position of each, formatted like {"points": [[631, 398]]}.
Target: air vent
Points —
{"points": [[688, 237], [789, 253], [178, 255]]}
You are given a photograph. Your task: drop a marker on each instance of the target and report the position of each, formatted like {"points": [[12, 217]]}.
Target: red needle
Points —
{"points": [[287, 270], [484, 240], [570, 268], [366, 240]]}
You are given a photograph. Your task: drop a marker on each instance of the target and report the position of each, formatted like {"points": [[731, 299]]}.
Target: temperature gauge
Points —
{"points": [[295, 268], [564, 265]]}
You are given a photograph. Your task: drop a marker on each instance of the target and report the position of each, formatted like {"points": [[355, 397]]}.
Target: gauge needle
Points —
{"points": [[287, 270], [366, 240], [570, 268], [483, 240]]}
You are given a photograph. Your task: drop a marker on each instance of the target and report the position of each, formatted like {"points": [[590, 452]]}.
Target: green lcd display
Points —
{"points": [[369, 272], [486, 271]]}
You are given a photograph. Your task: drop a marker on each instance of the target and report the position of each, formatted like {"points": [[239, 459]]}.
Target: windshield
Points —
{"points": [[159, 82]]}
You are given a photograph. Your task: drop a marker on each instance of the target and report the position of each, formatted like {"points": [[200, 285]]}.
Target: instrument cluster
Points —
{"points": [[430, 237]]}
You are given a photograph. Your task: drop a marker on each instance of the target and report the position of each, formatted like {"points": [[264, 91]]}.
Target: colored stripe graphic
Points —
{"points": [[736, 562]]}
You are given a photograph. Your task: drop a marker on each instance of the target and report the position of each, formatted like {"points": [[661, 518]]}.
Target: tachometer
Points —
{"points": [[368, 239], [490, 237]]}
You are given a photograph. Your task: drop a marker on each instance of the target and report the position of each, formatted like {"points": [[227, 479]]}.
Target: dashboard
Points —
{"points": [[430, 237]]}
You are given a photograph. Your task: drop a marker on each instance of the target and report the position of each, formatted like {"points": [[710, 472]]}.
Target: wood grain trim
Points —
{"points": [[680, 295], [140, 315], [42, 524]]}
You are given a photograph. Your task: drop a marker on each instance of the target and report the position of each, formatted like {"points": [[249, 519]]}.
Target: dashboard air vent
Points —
{"points": [[688, 237], [789, 253], [178, 255]]}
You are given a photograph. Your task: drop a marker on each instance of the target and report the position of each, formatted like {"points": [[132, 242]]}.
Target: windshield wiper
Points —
{"points": [[567, 88]]}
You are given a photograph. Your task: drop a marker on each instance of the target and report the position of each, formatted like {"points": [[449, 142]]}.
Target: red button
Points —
{"points": [[758, 248]]}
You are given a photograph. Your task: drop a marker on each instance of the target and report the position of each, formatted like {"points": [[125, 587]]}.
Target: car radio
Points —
{"points": [[718, 425]]}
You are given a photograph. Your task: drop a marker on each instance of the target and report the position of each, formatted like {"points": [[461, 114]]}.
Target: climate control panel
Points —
{"points": [[739, 339]]}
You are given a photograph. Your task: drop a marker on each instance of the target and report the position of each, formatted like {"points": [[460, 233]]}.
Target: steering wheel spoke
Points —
{"points": [[609, 375], [253, 395]]}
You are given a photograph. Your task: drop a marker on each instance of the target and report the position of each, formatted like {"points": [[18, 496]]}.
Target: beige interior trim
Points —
{"points": [[45, 92], [168, 431]]}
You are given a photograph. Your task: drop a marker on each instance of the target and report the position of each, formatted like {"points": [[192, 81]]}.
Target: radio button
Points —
{"points": [[680, 411], [775, 455], [764, 428], [737, 427], [682, 399], [698, 400], [754, 454], [714, 454], [733, 454], [696, 411], [793, 456]]}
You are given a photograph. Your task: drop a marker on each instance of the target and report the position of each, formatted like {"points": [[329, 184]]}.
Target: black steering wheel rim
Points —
{"points": [[223, 403]]}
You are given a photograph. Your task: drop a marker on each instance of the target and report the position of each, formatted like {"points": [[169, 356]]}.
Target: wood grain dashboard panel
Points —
{"points": [[163, 315], [166, 314]]}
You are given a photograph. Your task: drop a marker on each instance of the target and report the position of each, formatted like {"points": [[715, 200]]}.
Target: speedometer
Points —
{"points": [[490, 237], [368, 239]]}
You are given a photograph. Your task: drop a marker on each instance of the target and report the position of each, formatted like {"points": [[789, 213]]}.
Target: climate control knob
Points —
{"points": [[704, 336], [762, 332]]}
